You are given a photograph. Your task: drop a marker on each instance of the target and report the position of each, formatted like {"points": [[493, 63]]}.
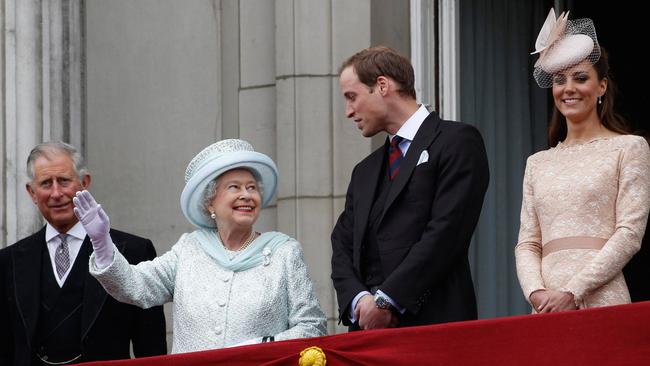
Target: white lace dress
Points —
{"points": [[598, 189]]}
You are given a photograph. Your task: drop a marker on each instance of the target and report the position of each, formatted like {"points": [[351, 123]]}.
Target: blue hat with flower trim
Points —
{"points": [[215, 160]]}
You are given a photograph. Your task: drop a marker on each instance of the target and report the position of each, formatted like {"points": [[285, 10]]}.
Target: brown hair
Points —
{"points": [[373, 62], [557, 129]]}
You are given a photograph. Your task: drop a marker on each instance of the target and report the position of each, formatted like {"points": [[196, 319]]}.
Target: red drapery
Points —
{"points": [[616, 335]]}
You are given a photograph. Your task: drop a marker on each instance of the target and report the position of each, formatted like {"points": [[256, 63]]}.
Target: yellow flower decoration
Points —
{"points": [[312, 356]]}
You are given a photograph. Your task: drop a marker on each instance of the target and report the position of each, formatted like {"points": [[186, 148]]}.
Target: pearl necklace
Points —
{"points": [[245, 245]]}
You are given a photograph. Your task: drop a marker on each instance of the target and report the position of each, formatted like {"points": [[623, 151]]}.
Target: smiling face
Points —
{"points": [[53, 187], [237, 202], [364, 105], [576, 91]]}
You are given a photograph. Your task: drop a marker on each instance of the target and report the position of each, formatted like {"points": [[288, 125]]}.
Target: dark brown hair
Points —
{"points": [[557, 129], [373, 62]]}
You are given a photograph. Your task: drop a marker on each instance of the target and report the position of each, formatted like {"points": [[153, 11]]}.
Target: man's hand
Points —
{"points": [[371, 317], [97, 225], [548, 301]]}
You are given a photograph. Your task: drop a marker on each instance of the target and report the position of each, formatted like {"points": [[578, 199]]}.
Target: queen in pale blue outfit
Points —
{"points": [[229, 284]]}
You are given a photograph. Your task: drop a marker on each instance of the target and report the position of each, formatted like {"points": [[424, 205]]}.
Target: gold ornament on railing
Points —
{"points": [[312, 356]]}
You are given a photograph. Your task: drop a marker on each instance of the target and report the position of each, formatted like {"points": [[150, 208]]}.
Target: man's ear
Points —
{"points": [[85, 182], [382, 84], [31, 192]]}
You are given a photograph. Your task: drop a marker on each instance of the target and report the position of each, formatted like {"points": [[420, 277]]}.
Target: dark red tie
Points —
{"points": [[394, 157]]}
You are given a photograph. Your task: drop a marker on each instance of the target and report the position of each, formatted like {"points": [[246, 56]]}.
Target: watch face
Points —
{"points": [[382, 303]]}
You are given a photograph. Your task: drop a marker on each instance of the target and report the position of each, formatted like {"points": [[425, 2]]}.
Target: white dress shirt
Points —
{"points": [[76, 236], [411, 127]]}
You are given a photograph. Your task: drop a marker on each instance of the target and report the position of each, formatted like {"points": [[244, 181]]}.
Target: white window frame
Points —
{"points": [[425, 40]]}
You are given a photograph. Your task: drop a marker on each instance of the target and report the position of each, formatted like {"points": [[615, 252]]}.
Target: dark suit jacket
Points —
{"points": [[108, 326], [425, 229]]}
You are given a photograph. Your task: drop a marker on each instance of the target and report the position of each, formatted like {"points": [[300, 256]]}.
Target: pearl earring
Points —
{"points": [[213, 215], [600, 101]]}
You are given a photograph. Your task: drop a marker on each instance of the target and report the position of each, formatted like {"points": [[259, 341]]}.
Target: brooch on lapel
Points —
{"points": [[266, 252]]}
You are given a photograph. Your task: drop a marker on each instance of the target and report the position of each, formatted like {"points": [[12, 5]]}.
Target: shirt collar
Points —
{"points": [[76, 231], [412, 125]]}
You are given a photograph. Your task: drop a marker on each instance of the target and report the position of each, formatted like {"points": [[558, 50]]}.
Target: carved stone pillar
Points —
{"points": [[41, 96]]}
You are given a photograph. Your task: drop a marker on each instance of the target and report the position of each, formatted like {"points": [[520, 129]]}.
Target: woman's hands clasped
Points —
{"points": [[97, 225], [548, 301]]}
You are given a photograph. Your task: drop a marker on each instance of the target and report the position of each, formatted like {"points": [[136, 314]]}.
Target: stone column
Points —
{"points": [[316, 146], [256, 94], [41, 96]]}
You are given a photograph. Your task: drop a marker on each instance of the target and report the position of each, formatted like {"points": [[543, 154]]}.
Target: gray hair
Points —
{"points": [[210, 190], [51, 148]]}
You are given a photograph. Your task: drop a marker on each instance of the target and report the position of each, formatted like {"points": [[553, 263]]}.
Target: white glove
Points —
{"points": [[97, 225]]}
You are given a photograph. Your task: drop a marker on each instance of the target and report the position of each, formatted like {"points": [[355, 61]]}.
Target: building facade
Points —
{"points": [[142, 86]]}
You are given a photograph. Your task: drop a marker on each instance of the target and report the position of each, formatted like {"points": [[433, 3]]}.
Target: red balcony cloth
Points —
{"points": [[616, 335]]}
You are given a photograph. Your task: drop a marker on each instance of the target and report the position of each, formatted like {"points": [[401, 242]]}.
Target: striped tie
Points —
{"points": [[62, 256], [394, 157]]}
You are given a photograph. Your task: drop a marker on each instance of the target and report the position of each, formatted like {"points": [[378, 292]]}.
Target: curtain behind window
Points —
{"points": [[499, 95]]}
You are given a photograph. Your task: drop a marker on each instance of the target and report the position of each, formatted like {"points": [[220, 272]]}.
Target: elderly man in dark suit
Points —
{"points": [[400, 246], [52, 311]]}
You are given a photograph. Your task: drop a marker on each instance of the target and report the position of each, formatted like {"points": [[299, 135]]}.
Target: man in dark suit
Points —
{"points": [[400, 246], [52, 310]]}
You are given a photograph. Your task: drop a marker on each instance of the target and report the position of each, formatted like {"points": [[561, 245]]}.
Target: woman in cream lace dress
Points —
{"points": [[586, 199]]}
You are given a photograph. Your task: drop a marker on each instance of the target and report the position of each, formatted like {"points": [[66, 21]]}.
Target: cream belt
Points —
{"points": [[574, 242]]}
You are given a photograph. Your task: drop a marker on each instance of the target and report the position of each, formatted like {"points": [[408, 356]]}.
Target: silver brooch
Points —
{"points": [[266, 252]]}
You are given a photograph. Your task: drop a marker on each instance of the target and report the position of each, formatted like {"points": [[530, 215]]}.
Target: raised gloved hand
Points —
{"points": [[97, 225]]}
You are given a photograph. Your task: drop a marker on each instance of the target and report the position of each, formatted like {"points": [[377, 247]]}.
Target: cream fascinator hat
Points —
{"points": [[562, 44], [215, 160]]}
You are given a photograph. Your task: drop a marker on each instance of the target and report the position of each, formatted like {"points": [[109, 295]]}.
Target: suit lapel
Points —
{"points": [[425, 136], [370, 173], [27, 277], [94, 294]]}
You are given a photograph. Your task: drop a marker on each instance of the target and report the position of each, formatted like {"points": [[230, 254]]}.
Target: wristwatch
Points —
{"points": [[382, 302]]}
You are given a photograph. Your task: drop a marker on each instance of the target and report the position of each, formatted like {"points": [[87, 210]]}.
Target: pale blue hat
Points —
{"points": [[215, 160]]}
